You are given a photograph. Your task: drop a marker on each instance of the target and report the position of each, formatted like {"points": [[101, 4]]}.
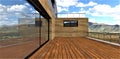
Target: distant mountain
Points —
{"points": [[93, 27], [96, 27], [6, 28]]}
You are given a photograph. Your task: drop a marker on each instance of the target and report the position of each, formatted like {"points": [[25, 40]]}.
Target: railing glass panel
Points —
{"points": [[71, 15], [112, 37]]}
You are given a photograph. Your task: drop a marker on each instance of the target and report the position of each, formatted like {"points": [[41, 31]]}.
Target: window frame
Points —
{"points": [[38, 23], [71, 23]]}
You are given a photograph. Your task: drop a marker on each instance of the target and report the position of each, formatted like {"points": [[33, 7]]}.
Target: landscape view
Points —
{"points": [[98, 27], [105, 32], [101, 31], [100, 20], [60, 28], [16, 34]]}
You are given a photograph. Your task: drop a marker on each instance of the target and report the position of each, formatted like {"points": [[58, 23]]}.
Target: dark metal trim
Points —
{"points": [[48, 30], [70, 24], [40, 45], [39, 8], [27, 57]]}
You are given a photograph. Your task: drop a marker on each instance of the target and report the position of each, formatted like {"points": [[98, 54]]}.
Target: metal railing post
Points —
{"points": [[119, 38]]}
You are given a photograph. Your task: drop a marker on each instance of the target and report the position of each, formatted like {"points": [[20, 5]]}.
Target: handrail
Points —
{"points": [[71, 15], [112, 37]]}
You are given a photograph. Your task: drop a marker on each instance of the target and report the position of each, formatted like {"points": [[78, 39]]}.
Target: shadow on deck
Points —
{"points": [[74, 48]]}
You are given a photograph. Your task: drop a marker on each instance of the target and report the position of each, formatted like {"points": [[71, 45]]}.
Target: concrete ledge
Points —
{"points": [[99, 40]]}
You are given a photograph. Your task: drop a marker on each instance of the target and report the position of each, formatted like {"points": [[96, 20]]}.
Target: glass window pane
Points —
{"points": [[70, 23]]}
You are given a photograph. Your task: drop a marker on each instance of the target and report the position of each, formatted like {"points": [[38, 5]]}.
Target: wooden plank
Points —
{"points": [[56, 50], [64, 54], [76, 48], [67, 50], [71, 49]]}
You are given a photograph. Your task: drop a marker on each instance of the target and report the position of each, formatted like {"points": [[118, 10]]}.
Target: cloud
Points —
{"points": [[66, 3], [105, 11], [27, 4], [8, 13], [91, 3], [7, 22], [3, 17], [15, 8], [63, 5], [60, 9], [101, 9], [2, 8], [34, 11], [92, 20], [25, 8]]}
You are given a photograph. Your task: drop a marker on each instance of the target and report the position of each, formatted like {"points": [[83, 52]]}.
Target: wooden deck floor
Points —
{"points": [[76, 48]]}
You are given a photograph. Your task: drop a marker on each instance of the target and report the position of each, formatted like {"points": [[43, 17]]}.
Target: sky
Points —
{"points": [[12, 10], [98, 11]]}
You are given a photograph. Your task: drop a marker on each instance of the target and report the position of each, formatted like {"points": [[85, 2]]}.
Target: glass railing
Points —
{"points": [[21, 34], [71, 15], [111, 37]]}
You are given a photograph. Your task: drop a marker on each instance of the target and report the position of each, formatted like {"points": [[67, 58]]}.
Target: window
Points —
{"points": [[70, 23]]}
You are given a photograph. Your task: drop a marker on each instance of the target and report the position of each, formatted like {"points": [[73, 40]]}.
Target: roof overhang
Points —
{"points": [[36, 4]]}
